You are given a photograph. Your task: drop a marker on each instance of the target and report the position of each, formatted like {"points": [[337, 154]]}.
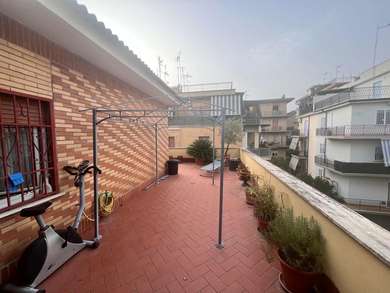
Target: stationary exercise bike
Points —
{"points": [[53, 247]]}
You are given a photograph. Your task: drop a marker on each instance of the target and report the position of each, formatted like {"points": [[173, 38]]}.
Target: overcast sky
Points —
{"points": [[267, 48]]}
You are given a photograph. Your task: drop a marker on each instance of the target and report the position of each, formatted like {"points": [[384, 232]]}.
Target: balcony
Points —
{"points": [[266, 114], [355, 131], [352, 167], [273, 129], [362, 93], [251, 120], [163, 240], [353, 243]]}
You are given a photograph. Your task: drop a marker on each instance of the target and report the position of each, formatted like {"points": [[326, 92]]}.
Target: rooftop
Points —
{"points": [[163, 240], [70, 25]]}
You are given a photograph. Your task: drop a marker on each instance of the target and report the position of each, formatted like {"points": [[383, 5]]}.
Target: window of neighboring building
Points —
{"points": [[378, 153], [171, 141], [204, 137], [377, 89], [382, 117], [27, 169], [322, 148], [275, 108], [275, 123]]}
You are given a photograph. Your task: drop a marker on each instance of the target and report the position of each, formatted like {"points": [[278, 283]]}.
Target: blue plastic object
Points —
{"points": [[16, 179]]}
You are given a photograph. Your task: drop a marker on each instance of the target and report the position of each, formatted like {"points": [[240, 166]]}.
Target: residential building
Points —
{"points": [[209, 99], [265, 124], [347, 133], [56, 61]]}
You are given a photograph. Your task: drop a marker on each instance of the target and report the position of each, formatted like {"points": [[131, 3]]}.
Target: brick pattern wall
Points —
{"points": [[126, 152], [23, 71]]}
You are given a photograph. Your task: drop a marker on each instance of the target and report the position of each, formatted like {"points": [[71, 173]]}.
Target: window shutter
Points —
{"points": [[380, 117]]}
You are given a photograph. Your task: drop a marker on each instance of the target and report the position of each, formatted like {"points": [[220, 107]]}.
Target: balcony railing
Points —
{"points": [[273, 113], [354, 94], [273, 129], [262, 152], [251, 120], [353, 167], [355, 131]]}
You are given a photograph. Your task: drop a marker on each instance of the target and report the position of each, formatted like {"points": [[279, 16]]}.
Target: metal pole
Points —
{"points": [[220, 244], [95, 175], [213, 152], [156, 150]]}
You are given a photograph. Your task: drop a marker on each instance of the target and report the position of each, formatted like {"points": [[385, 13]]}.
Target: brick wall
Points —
{"points": [[126, 152]]}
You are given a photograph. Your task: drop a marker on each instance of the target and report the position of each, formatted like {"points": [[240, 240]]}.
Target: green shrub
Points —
{"points": [[282, 163], [201, 149], [299, 240], [265, 206]]}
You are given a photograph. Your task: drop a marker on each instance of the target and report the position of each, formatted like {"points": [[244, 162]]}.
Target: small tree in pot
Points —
{"points": [[301, 250], [265, 207], [244, 174], [201, 150]]}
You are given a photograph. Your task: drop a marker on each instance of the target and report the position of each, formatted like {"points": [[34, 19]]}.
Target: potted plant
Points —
{"points": [[201, 150], [265, 207], [244, 175], [301, 250], [250, 194]]}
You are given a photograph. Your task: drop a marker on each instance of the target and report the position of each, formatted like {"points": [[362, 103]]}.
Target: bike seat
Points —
{"points": [[36, 210]]}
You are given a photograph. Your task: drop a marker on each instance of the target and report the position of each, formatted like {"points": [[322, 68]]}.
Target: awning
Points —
{"points": [[294, 143], [293, 163], [386, 151]]}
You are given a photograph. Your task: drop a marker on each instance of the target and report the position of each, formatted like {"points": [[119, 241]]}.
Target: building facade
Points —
{"points": [[56, 60], [265, 124], [345, 135], [187, 126]]}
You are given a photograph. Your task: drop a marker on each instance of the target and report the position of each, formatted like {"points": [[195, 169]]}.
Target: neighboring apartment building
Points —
{"points": [[265, 124], [187, 126], [346, 136], [56, 59]]}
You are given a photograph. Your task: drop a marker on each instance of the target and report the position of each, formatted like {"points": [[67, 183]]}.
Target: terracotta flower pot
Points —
{"points": [[249, 199], [262, 225], [295, 280]]}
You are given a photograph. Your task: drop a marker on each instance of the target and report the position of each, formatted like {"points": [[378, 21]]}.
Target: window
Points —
{"points": [[377, 89], [383, 117], [321, 172], [275, 124], [27, 166], [322, 148], [204, 137], [378, 153], [171, 141], [275, 108]]}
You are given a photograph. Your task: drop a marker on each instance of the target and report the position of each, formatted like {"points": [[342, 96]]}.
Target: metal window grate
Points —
{"points": [[26, 149]]}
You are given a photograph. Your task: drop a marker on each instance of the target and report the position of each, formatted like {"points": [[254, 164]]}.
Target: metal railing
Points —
{"points": [[251, 120], [355, 131], [353, 167], [324, 162], [368, 204], [273, 129], [354, 94], [262, 152], [273, 113]]}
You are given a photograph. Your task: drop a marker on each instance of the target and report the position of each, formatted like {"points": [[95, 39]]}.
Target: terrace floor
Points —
{"points": [[163, 240]]}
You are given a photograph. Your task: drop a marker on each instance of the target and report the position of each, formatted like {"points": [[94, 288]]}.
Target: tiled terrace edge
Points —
{"points": [[358, 251]]}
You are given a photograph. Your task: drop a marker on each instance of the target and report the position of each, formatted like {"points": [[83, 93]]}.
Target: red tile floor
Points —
{"points": [[163, 240]]}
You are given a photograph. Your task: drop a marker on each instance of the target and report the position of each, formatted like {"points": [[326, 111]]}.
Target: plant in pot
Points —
{"points": [[250, 194], [244, 175], [265, 207], [301, 250], [201, 150]]}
